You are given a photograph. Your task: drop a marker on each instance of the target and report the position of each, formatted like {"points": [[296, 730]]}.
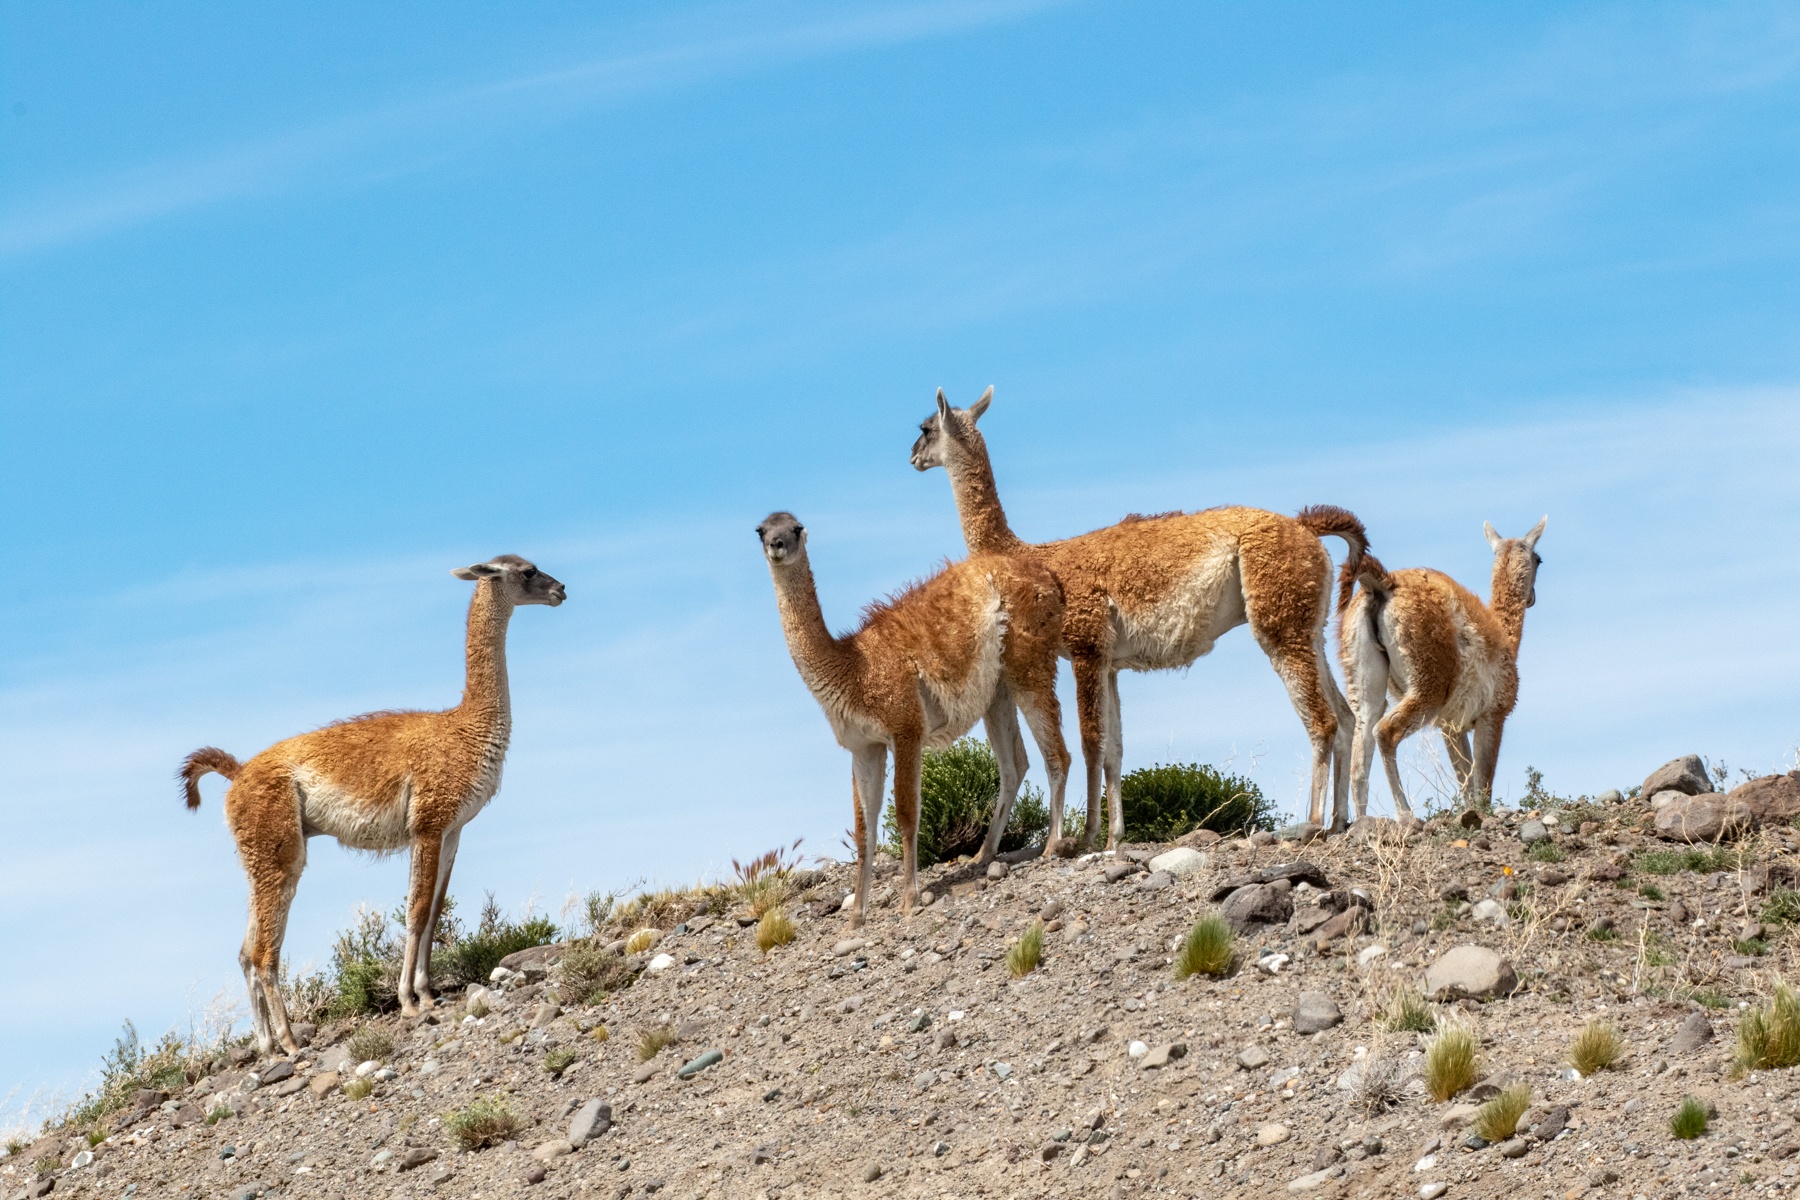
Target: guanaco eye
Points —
{"points": [[531, 572]]}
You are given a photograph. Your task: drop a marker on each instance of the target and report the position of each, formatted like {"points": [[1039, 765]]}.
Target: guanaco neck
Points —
{"points": [[1507, 602], [822, 659], [487, 700], [978, 502]]}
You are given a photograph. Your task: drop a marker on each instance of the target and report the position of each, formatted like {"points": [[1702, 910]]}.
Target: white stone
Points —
{"points": [[1426, 1163], [1431, 1191], [83, 1159], [1272, 1134], [1137, 1049], [1491, 910], [1369, 954], [1180, 862], [1272, 964], [367, 1068], [661, 962]]}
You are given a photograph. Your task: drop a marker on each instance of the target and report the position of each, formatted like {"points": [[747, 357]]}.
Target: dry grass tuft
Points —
{"points": [[1209, 949], [1380, 1088], [1769, 1035], [1407, 1011], [642, 940], [775, 929], [1597, 1047], [358, 1088], [589, 972], [1499, 1117], [1023, 955], [1452, 1060], [489, 1121], [559, 1060], [371, 1042], [651, 1041]]}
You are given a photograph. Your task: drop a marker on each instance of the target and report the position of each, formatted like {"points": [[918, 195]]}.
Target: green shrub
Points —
{"points": [[1163, 802], [1668, 862], [1690, 1120], [472, 958], [359, 1088], [1782, 907], [1546, 852], [171, 1065], [559, 1060], [487, 1122], [1650, 891], [1769, 1035], [1022, 956], [590, 973], [958, 787], [371, 1043]]}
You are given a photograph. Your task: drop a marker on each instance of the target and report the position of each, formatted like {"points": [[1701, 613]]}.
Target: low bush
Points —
{"points": [[1597, 1047], [1782, 907], [172, 1064], [471, 958], [958, 788], [1670, 862], [1546, 852], [590, 974], [487, 1122], [559, 1060], [1407, 1011], [359, 1088], [651, 1041], [1499, 1117], [1208, 949], [1162, 803], [371, 1043]]}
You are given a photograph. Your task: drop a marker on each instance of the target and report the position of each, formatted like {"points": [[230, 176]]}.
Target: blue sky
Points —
{"points": [[298, 310]]}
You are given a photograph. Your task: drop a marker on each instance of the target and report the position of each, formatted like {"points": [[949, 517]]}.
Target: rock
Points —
{"points": [[1491, 911], [545, 1014], [997, 870], [335, 1059], [1258, 904], [710, 1058], [591, 1120], [1374, 829], [661, 962], [1272, 1134], [1119, 871], [1051, 910], [1550, 1123], [1347, 923], [1252, 1058], [1370, 953], [1534, 831], [275, 1072], [1317, 1179], [1315, 1012], [645, 1073], [871, 1173], [1161, 1056], [1468, 971], [1693, 1032], [1308, 919], [1431, 1191], [1686, 775], [1553, 877], [536, 1175], [1610, 796], [552, 1150], [1180, 862], [1156, 881], [1516, 1147], [1301, 832], [418, 1156], [1298, 871], [1665, 797], [1489, 1086]]}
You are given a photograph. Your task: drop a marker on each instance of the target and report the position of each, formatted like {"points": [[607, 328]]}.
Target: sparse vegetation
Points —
{"points": [[762, 884], [1208, 949], [590, 973], [1602, 933], [1451, 1061], [1597, 1047], [651, 1041], [1690, 1120], [173, 1063], [1782, 907], [1379, 1087], [371, 1043], [1023, 955], [1546, 852], [1408, 1011], [217, 1113], [1499, 1117], [489, 1121], [958, 788], [1769, 1035], [365, 960], [559, 1060], [642, 940], [775, 928], [359, 1088], [471, 958], [1650, 891], [599, 1033], [1671, 862], [1754, 947]]}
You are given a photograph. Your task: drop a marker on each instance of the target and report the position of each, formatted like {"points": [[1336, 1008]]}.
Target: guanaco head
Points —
{"points": [[1516, 559], [783, 538], [947, 430], [520, 581]]}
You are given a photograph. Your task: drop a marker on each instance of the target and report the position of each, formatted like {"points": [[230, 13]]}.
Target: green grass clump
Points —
{"points": [[958, 788], [16, 1146], [1690, 1120], [1755, 947], [359, 1088], [371, 1042], [1208, 949], [1669, 862], [1650, 891], [1602, 933], [775, 928], [1023, 955], [489, 1121], [1597, 1047], [1782, 907], [218, 1113], [1451, 1063], [1406, 1011], [651, 1041], [1769, 1035], [172, 1064], [1499, 1117], [559, 1060], [1546, 852]]}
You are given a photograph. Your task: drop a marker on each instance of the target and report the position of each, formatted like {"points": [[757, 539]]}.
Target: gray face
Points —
{"points": [[524, 583], [783, 537], [928, 451]]}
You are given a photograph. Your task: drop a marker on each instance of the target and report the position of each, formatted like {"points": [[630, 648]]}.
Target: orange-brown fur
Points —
{"points": [[1136, 568], [934, 638], [1446, 658], [381, 782]]}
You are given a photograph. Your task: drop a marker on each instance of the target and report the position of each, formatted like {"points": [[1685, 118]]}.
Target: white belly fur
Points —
{"points": [[1184, 626], [951, 709], [357, 822], [1477, 679]]}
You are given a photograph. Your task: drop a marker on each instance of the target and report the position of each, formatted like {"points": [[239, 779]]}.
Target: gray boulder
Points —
{"points": [[591, 1120], [1257, 904], [1693, 1032], [1534, 831], [1315, 1012], [1711, 816], [1686, 775], [1470, 971]]}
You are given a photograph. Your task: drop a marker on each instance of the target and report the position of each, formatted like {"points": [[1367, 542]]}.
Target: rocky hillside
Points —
{"points": [[906, 1059]]}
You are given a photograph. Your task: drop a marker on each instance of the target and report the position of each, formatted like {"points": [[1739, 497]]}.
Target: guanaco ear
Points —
{"points": [[478, 571], [981, 405], [1493, 535], [1537, 531], [943, 404]]}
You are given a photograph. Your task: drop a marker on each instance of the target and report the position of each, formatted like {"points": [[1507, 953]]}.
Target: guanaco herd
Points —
{"points": [[978, 640]]}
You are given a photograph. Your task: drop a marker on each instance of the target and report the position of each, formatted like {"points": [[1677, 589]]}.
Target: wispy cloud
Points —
{"points": [[404, 137]]}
